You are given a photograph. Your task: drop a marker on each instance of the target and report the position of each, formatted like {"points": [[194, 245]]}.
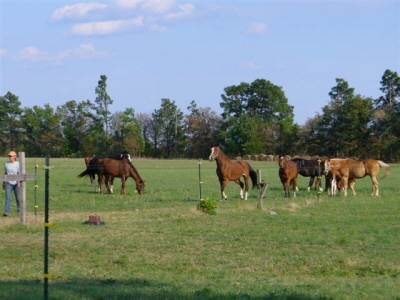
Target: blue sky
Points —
{"points": [[55, 51]]}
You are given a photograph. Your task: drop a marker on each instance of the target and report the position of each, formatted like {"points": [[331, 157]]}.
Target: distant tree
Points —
{"points": [[127, 132], [343, 127], [76, 122], [251, 113], [11, 132], [168, 129], [103, 101], [146, 123], [43, 131], [386, 117], [202, 127]]}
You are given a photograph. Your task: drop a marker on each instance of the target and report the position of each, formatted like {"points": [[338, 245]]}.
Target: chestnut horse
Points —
{"points": [[228, 170], [288, 173], [107, 169], [91, 176], [91, 162], [351, 169]]}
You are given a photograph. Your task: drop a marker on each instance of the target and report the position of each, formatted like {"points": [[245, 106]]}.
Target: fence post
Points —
{"points": [[22, 189], [262, 188], [200, 181], [46, 274]]}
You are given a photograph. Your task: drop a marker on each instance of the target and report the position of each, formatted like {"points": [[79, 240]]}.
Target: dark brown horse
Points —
{"points": [[313, 168], [228, 170], [288, 173], [350, 168], [107, 169]]}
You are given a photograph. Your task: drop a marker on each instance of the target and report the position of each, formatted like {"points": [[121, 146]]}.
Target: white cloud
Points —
{"points": [[127, 3], [158, 28], [158, 6], [184, 10], [250, 65], [83, 51], [34, 54], [76, 10], [106, 27], [256, 28]]}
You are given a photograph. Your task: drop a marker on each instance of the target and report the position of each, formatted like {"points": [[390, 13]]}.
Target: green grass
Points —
{"points": [[159, 246]]}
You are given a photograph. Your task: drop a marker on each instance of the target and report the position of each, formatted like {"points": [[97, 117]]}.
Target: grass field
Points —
{"points": [[159, 246]]}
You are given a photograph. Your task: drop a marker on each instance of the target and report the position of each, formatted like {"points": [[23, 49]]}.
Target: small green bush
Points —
{"points": [[208, 206]]}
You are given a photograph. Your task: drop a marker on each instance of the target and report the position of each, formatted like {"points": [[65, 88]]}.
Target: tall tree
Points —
{"points": [[43, 131], [386, 116], [76, 122], [202, 127], [127, 132], [103, 101], [250, 112], [168, 128], [10, 123]]}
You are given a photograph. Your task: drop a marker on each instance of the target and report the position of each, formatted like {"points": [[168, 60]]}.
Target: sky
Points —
{"points": [[55, 51]]}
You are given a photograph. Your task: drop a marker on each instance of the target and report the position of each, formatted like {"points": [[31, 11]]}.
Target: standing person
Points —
{"points": [[11, 168]]}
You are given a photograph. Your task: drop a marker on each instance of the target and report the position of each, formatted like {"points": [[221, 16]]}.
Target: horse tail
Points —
{"points": [[85, 173], [388, 168], [253, 176]]}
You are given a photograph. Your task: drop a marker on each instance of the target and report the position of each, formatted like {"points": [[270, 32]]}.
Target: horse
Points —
{"points": [[87, 161], [228, 170], [91, 161], [288, 173], [107, 168], [310, 168], [332, 186], [351, 169]]}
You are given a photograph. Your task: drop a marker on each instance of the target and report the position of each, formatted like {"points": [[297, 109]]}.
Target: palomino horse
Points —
{"points": [[310, 168], [228, 170], [349, 169], [288, 173], [107, 169], [332, 186]]}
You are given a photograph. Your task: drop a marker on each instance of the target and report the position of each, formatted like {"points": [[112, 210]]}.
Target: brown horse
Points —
{"points": [[349, 169], [288, 173], [91, 176], [107, 169], [228, 170]]}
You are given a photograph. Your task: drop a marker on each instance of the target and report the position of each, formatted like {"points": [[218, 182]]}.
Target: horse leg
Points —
{"points": [[237, 181], [123, 184], [351, 185], [345, 182], [295, 189], [111, 186], [100, 180], [246, 184], [286, 187], [375, 186], [310, 183], [223, 183]]}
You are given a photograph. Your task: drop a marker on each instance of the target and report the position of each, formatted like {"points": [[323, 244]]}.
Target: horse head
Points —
{"points": [[327, 166], [214, 153], [140, 187], [281, 161]]}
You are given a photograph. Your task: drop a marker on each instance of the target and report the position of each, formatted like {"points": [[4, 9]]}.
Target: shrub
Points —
{"points": [[208, 206]]}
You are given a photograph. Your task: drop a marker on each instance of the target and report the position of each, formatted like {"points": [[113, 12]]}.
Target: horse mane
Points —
{"points": [[134, 169]]}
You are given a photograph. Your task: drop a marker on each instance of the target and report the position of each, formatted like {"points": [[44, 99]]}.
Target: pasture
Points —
{"points": [[159, 246]]}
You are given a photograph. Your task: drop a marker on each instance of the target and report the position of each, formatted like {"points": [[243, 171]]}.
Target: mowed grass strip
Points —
{"points": [[158, 245]]}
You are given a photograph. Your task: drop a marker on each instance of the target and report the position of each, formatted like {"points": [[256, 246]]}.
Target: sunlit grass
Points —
{"points": [[158, 245]]}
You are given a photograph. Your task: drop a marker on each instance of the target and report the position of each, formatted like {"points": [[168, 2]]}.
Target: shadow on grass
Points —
{"points": [[129, 289]]}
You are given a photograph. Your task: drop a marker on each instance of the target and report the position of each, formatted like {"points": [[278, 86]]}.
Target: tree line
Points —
{"points": [[256, 119]]}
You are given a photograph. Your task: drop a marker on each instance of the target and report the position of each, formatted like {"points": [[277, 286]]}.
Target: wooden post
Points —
{"points": [[262, 188], [22, 186]]}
